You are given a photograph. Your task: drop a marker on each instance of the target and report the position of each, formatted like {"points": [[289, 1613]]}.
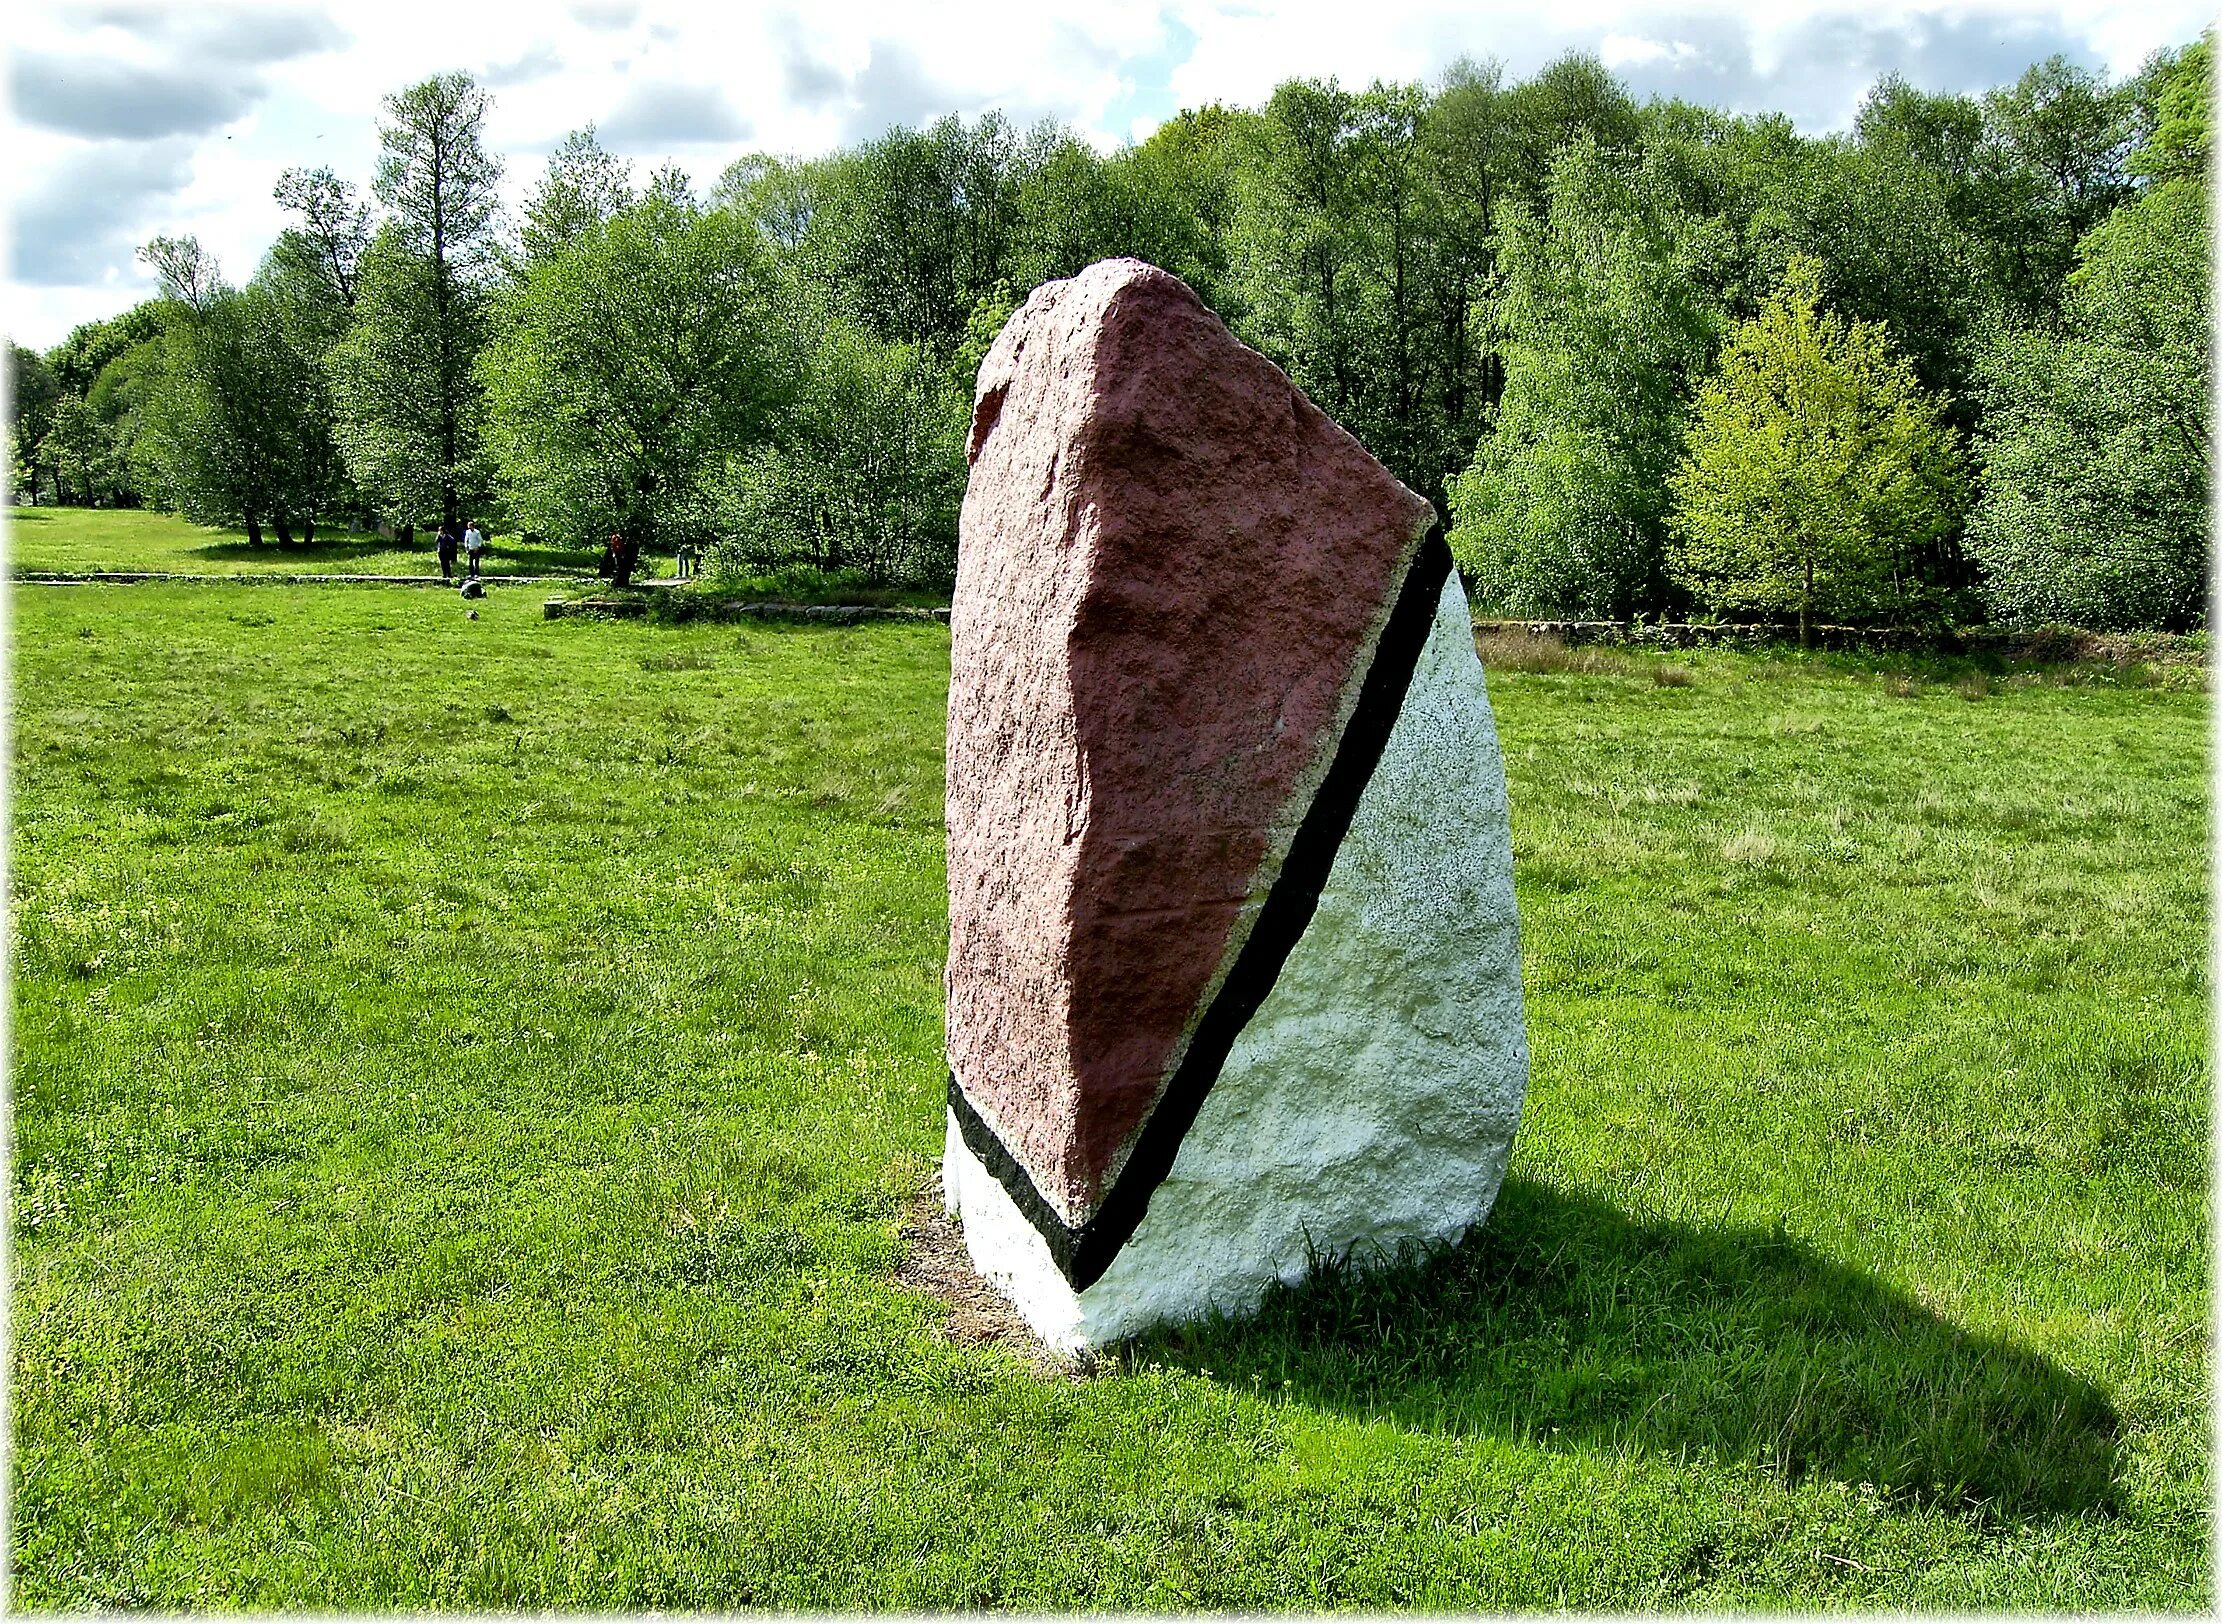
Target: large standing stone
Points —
{"points": [[1233, 964]]}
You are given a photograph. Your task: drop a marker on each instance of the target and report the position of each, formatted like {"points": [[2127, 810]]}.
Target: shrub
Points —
{"points": [[867, 474]]}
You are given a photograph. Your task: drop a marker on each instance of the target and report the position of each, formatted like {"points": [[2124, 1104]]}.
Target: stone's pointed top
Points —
{"points": [[1172, 573], [1079, 299], [1065, 309]]}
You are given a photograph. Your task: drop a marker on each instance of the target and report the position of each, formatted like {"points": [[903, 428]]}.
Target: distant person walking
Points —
{"points": [[445, 546], [474, 545]]}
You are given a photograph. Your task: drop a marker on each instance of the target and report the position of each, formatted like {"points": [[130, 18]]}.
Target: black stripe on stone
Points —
{"points": [[1082, 1254]]}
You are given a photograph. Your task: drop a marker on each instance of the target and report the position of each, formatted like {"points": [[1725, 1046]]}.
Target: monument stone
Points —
{"points": [[1233, 972]]}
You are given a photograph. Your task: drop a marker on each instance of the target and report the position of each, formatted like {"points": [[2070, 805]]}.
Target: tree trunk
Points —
{"points": [[284, 527], [308, 528], [254, 530], [450, 507]]}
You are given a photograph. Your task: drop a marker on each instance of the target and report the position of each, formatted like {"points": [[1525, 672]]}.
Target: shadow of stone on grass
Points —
{"points": [[1566, 1322]]}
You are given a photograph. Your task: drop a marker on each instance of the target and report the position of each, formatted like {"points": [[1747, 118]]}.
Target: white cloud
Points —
{"points": [[656, 116], [522, 69], [180, 118], [1618, 51], [78, 223], [103, 98], [621, 14]]}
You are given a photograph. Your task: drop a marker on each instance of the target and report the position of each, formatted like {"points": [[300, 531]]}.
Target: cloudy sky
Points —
{"points": [[125, 120]]}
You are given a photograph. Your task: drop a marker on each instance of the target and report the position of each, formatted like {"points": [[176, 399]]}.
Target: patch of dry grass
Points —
{"points": [[1513, 648]]}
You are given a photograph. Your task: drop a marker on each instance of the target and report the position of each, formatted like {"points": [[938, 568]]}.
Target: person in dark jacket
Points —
{"points": [[444, 544]]}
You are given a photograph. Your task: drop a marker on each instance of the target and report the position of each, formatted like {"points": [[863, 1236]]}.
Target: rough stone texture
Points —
{"points": [[1171, 574], [1373, 1097]]}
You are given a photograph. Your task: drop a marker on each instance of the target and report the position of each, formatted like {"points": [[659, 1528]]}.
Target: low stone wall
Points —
{"points": [[690, 606]]}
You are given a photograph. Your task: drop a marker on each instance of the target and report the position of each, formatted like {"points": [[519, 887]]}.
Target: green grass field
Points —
{"points": [[471, 1076], [136, 539]]}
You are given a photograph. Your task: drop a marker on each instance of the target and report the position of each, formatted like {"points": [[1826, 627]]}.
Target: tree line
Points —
{"points": [[1647, 359]]}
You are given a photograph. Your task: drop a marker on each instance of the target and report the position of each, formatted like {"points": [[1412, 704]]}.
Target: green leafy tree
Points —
{"points": [[1348, 270], [79, 450], [235, 426], [1816, 469], [1986, 191], [404, 379], [1603, 329], [2180, 145], [313, 278], [1473, 147], [780, 195], [34, 395], [637, 362], [325, 248], [1075, 207], [76, 367], [584, 186], [910, 231], [1883, 225], [1574, 100], [122, 397], [397, 429], [77, 360], [2098, 434], [1294, 240], [2056, 142], [1940, 131], [189, 274], [1415, 363], [867, 470], [1189, 163]]}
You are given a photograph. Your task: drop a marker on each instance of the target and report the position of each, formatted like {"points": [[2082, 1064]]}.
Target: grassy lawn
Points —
{"points": [[471, 1077], [66, 538]]}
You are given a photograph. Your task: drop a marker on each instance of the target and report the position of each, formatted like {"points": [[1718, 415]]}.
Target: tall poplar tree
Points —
{"points": [[409, 398]]}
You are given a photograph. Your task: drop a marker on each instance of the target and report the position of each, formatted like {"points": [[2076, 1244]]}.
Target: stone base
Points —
{"points": [[1372, 1099]]}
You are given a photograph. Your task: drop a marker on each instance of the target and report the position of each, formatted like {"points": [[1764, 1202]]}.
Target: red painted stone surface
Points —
{"points": [[1171, 575]]}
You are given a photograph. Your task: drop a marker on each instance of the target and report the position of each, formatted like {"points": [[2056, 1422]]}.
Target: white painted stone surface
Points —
{"points": [[1373, 1098]]}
